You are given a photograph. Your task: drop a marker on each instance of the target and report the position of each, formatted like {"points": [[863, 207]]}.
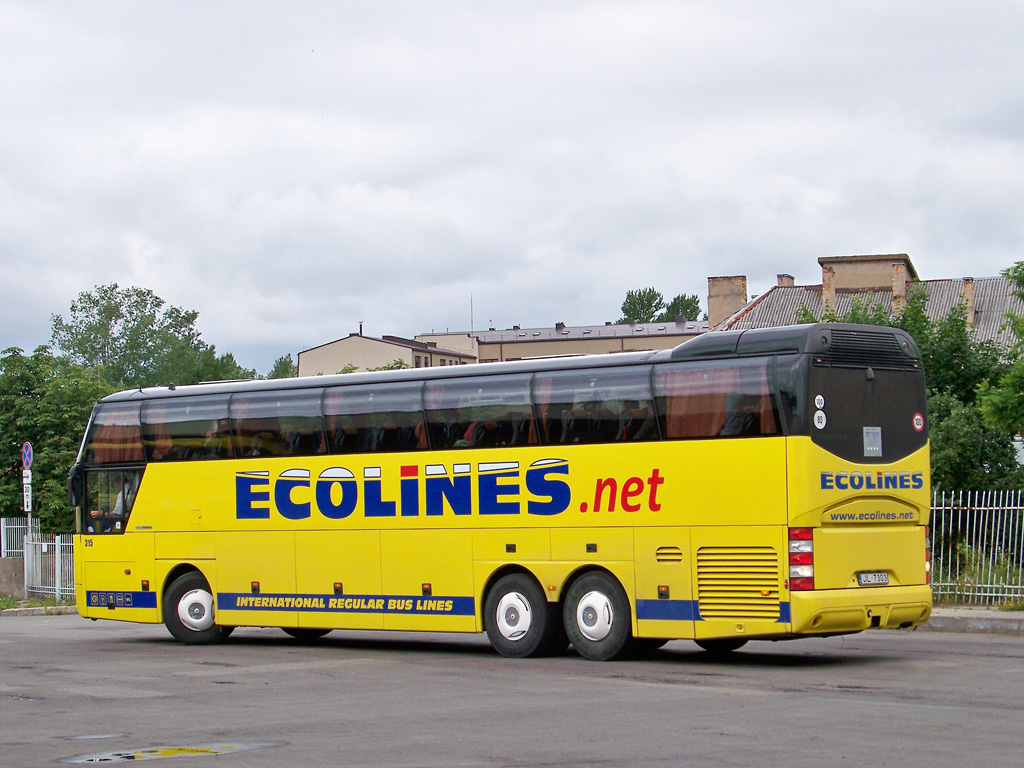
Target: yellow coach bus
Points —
{"points": [[764, 484]]}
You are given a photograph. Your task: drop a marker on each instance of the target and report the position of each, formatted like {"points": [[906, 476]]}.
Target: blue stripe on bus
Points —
{"points": [[686, 610], [667, 610], [98, 599], [393, 604]]}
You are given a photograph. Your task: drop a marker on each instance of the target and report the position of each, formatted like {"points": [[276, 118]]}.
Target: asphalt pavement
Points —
{"points": [[944, 618]]}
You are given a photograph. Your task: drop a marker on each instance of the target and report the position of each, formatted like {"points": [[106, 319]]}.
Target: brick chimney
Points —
{"points": [[785, 281], [828, 290], [726, 295], [969, 300], [899, 287]]}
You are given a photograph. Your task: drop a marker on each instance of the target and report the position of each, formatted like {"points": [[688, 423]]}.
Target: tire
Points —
{"points": [[518, 619], [189, 611], [645, 646], [722, 645], [304, 634], [597, 617]]}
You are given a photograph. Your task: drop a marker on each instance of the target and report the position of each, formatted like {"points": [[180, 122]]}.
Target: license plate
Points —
{"points": [[872, 578]]}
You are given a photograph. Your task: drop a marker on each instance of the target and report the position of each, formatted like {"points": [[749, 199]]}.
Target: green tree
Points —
{"points": [[683, 305], [283, 368], [45, 400], [395, 365], [967, 453], [135, 339], [641, 306], [1002, 399]]}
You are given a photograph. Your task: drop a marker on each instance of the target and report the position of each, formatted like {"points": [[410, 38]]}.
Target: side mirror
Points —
{"points": [[75, 486]]}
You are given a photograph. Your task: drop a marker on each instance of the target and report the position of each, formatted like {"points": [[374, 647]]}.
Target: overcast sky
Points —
{"points": [[292, 169]]}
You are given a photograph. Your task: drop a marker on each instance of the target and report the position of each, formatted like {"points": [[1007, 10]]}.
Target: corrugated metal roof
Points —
{"points": [[562, 332], [781, 305]]}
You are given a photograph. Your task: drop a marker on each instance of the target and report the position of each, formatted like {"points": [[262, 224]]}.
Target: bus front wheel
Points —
{"points": [[518, 619], [597, 617], [189, 611]]}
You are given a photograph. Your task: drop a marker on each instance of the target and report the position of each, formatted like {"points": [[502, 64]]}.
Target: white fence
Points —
{"points": [[12, 535], [48, 559], [977, 543], [50, 566]]}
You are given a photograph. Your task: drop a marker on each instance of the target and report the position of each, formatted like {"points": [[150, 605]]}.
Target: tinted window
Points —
{"points": [[109, 497], [186, 428], [369, 417], [480, 412], [715, 399], [602, 406], [868, 415], [284, 423], [114, 436]]}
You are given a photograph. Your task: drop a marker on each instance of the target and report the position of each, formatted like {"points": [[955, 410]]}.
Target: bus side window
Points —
{"points": [[365, 418], [715, 399], [595, 406], [186, 428], [283, 423], [479, 412], [114, 435]]}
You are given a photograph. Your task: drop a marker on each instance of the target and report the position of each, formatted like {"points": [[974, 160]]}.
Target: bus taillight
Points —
{"points": [[928, 554], [801, 559]]}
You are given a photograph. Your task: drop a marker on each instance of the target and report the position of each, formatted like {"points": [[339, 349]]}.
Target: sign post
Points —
{"points": [[26, 480]]}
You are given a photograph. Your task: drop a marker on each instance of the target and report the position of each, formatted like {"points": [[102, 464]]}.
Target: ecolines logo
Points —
{"points": [[336, 492], [871, 481]]}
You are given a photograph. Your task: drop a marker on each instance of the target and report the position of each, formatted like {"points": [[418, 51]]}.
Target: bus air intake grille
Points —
{"points": [[738, 583], [862, 349], [669, 555]]}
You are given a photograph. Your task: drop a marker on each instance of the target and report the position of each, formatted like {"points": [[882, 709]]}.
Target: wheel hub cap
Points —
{"points": [[196, 610], [594, 616], [514, 616]]}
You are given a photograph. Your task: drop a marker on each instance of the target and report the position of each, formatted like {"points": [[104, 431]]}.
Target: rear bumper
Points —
{"points": [[830, 611]]}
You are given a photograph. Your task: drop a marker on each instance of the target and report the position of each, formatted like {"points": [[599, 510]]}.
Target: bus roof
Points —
{"points": [[796, 339]]}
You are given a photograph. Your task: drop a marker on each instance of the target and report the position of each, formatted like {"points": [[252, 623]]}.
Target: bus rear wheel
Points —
{"points": [[519, 620], [597, 618], [189, 611], [722, 645]]}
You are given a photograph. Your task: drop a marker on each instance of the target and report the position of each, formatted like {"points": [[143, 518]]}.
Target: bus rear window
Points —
{"points": [[715, 399], [114, 436], [868, 415]]}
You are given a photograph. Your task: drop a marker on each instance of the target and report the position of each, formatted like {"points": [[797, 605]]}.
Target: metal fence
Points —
{"points": [[50, 566], [12, 535], [977, 540]]}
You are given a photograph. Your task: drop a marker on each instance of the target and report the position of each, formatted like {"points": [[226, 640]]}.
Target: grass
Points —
{"points": [[7, 602]]}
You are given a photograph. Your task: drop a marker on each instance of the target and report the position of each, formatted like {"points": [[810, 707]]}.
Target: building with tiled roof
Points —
{"points": [[870, 280]]}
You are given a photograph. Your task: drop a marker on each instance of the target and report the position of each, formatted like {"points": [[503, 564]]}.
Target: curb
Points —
{"points": [[46, 610], [976, 621]]}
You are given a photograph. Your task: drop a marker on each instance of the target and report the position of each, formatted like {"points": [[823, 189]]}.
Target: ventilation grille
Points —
{"points": [[861, 349], [738, 582], [669, 555]]}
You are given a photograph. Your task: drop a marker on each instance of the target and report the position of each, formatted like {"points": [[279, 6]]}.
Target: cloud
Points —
{"points": [[292, 172]]}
